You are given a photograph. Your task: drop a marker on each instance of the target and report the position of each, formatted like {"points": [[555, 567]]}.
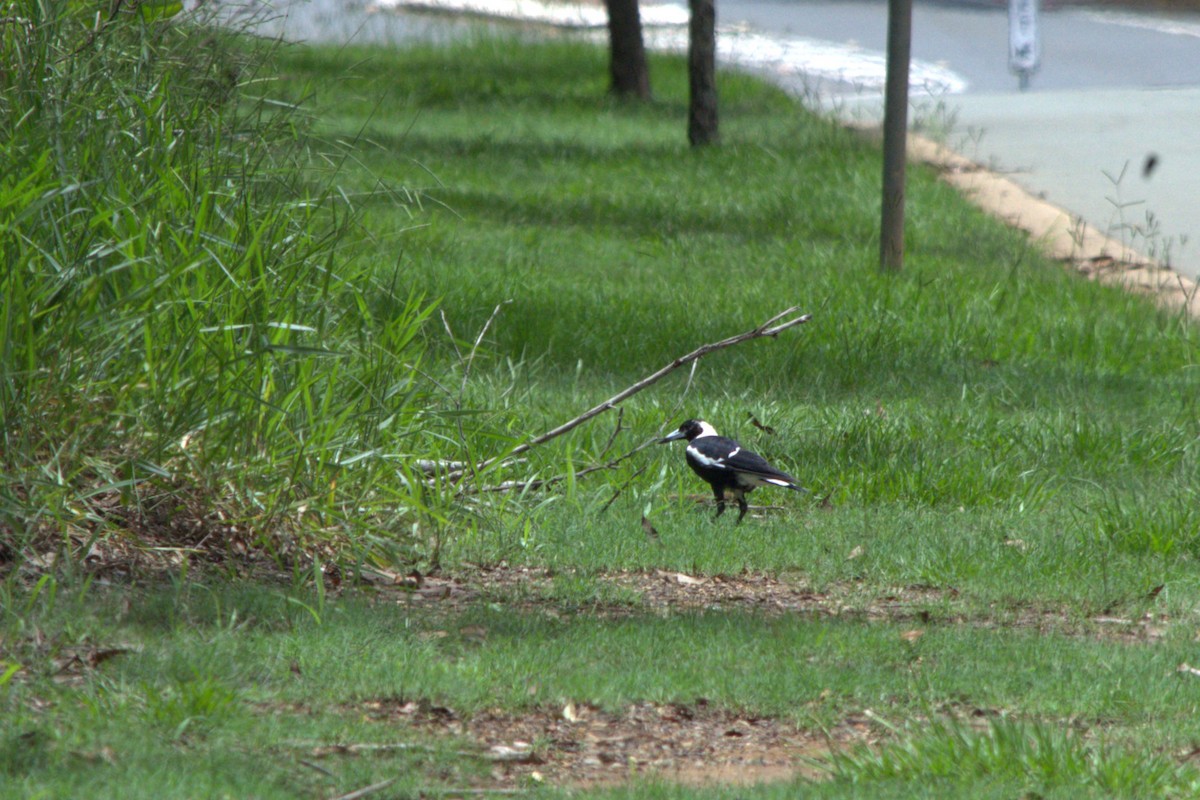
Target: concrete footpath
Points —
{"points": [[1063, 234], [1122, 162], [1105, 179], [1126, 160]]}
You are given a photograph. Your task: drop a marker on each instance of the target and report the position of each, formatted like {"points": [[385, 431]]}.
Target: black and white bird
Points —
{"points": [[731, 470]]}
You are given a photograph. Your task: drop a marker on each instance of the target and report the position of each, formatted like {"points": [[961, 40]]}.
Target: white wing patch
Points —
{"points": [[705, 461]]}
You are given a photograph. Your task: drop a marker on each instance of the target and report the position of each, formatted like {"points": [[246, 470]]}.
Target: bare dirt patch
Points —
{"points": [[659, 591], [666, 592], [584, 745]]}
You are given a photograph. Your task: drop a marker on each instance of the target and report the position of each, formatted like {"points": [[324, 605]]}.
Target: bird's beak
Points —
{"points": [[671, 437]]}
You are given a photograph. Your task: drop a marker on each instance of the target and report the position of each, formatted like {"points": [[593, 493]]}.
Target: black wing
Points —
{"points": [[718, 453], [745, 461]]}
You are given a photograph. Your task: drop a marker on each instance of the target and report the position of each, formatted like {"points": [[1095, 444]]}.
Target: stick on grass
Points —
{"points": [[366, 790]]}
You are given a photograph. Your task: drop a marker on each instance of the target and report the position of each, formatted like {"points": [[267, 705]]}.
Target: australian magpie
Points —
{"points": [[729, 468]]}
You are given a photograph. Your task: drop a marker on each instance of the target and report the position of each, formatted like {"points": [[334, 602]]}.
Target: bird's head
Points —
{"points": [[692, 429]]}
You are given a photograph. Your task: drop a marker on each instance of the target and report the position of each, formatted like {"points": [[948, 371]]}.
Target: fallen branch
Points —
{"points": [[768, 328]]}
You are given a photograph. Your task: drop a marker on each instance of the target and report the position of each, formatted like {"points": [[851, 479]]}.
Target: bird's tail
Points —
{"points": [[787, 483]]}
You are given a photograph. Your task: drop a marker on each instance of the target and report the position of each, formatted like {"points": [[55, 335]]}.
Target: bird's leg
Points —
{"points": [[719, 493], [743, 505]]}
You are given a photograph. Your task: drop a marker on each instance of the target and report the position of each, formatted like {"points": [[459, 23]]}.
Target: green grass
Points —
{"points": [[999, 380], [212, 681], [995, 561], [984, 421], [179, 331], [241, 344]]}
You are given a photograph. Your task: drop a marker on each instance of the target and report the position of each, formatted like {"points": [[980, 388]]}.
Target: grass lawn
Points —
{"points": [[991, 591]]}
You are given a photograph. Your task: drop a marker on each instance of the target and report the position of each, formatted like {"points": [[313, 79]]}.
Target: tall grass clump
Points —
{"points": [[1026, 759], [183, 346]]}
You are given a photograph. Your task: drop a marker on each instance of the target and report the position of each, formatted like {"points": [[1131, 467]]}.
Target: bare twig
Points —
{"points": [[768, 328], [430, 378], [366, 790], [317, 767], [497, 753], [612, 437], [538, 483], [622, 488], [354, 747], [481, 792], [688, 386]]}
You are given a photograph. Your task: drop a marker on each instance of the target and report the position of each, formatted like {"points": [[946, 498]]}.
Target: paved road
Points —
{"points": [[1081, 48]]}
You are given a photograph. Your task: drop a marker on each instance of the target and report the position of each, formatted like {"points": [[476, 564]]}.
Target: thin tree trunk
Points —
{"points": [[895, 135], [702, 73], [630, 76]]}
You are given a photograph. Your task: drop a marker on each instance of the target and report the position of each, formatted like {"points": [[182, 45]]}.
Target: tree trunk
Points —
{"points": [[895, 135], [702, 73], [630, 78]]}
